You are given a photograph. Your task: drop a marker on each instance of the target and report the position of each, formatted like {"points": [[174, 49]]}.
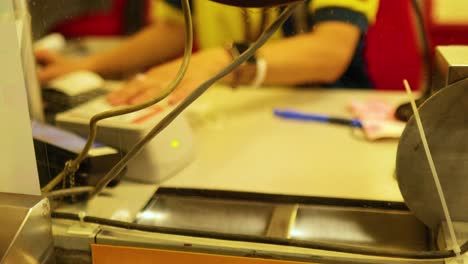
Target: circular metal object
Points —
{"points": [[445, 120]]}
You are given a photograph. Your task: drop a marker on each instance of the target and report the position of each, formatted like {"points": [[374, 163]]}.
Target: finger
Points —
{"points": [[47, 74], [177, 96], [126, 93], [146, 95], [46, 57]]}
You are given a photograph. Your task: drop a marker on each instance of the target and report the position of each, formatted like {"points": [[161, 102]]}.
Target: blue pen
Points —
{"points": [[288, 114]]}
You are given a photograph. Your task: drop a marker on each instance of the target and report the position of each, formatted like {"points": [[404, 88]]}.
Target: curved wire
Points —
{"points": [[192, 97]]}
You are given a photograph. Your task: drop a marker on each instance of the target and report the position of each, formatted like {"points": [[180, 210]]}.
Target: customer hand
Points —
{"points": [[144, 87], [55, 65]]}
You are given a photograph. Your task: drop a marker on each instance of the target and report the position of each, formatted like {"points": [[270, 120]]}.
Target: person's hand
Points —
{"points": [[55, 65], [147, 86]]}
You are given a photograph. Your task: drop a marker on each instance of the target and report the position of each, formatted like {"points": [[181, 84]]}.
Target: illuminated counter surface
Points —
{"points": [[242, 147]]}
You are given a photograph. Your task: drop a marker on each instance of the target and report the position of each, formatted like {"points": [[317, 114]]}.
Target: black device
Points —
{"points": [[56, 101], [71, 90], [54, 146]]}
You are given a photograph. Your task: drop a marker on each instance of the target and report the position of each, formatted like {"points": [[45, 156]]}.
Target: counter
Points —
{"points": [[241, 146]]}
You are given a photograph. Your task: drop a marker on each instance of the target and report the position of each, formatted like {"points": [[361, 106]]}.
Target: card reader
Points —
{"points": [[164, 156], [71, 90]]}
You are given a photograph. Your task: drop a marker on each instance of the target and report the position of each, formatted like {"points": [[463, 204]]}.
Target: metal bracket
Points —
{"points": [[282, 221]]}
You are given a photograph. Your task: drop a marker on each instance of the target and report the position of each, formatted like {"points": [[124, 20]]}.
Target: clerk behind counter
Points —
{"points": [[322, 44]]}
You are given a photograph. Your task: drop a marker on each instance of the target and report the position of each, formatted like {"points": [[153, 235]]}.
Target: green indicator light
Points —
{"points": [[175, 143]]}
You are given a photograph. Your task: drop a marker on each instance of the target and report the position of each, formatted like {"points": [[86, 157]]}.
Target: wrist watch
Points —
{"points": [[244, 74]]}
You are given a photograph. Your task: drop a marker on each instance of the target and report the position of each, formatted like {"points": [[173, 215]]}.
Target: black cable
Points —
{"points": [[334, 247], [404, 111]]}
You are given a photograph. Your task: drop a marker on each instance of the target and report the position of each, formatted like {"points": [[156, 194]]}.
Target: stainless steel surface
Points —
{"points": [[122, 202], [451, 65], [378, 228], [64, 256], [444, 240], [25, 236], [73, 241], [370, 227], [446, 125], [360, 226], [71, 235], [282, 220], [222, 216]]}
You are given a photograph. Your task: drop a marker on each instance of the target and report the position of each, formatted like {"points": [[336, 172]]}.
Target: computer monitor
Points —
{"points": [[18, 173]]}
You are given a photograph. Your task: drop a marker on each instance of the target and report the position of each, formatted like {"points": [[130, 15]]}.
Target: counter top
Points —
{"points": [[242, 147]]}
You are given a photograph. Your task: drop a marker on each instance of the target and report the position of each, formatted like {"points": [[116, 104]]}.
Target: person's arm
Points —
{"points": [[321, 56], [159, 42]]}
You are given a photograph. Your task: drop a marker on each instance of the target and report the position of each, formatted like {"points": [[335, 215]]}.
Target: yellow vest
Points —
{"points": [[216, 24]]}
